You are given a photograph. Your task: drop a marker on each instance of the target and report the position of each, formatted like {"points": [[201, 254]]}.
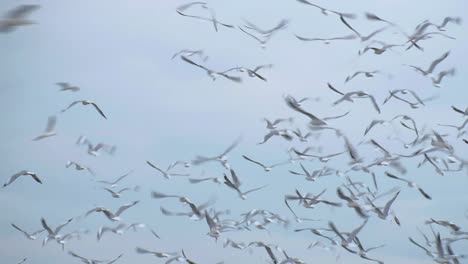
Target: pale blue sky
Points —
{"points": [[160, 110]]}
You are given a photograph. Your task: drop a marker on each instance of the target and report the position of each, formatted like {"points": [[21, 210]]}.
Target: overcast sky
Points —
{"points": [[119, 53]]}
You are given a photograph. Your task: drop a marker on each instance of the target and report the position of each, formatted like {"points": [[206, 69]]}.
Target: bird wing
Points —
{"points": [[14, 177], [46, 227], [251, 160], [231, 147], [291, 103], [418, 245], [110, 191], [57, 230], [34, 176], [71, 105], [253, 190], [334, 89], [374, 103], [77, 256], [437, 61], [154, 167], [22, 11], [346, 24], [19, 229], [51, 122], [125, 207], [235, 179], [114, 260], [356, 231], [389, 204], [99, 110]]}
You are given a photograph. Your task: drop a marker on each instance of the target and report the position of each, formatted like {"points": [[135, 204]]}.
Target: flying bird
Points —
{"points": [[30, 236], [67, 87], [86, 102], [17, 17], [50, 129], [22, 173]]}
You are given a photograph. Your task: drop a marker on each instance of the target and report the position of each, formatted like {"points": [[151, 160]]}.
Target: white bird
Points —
{"points": [[350, 237], [86, 102], [67, 87], [234, 183], [93, 150], [274, 124], [49, 131], [116, 194], [327, 40], [432, 66], [368, 74], [113, 184], [22, 173], [53, 234], [266, 168], [111, 216], [22, 261], [386, 210], [17, 17], [93, 261], [221, 158], [326, 10], [79, 167], [411, 184], [30, 236], [165, 173], [140, 250]]}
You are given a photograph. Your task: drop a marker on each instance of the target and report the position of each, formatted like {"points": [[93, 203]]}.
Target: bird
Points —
{"points": [[30, 236], [50, 129], [93, 261], [221, 158], [111, 216], [190, 53], [264, 35], [213, 19], [234, 184], [411, 184], [284, 133], [274, 124], [17, 17], [350, 237], [458, 128], [140, 250], [458, 110], [368, 74], [23, 261], [165, 173], [116, 194], [436, 81], [266, 168], [114, 183], [93, 150], [361, 37], [292, 103], [53, 234], [22, 173], [363, 252], [386, 210], [327, 40], [432, 66], [86, 102], [210, 72], [64, 86], [358, 94], [326, 10], [79, 167]]}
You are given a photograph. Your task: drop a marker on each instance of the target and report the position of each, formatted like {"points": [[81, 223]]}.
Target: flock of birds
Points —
{"points": [[431, 147]]}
